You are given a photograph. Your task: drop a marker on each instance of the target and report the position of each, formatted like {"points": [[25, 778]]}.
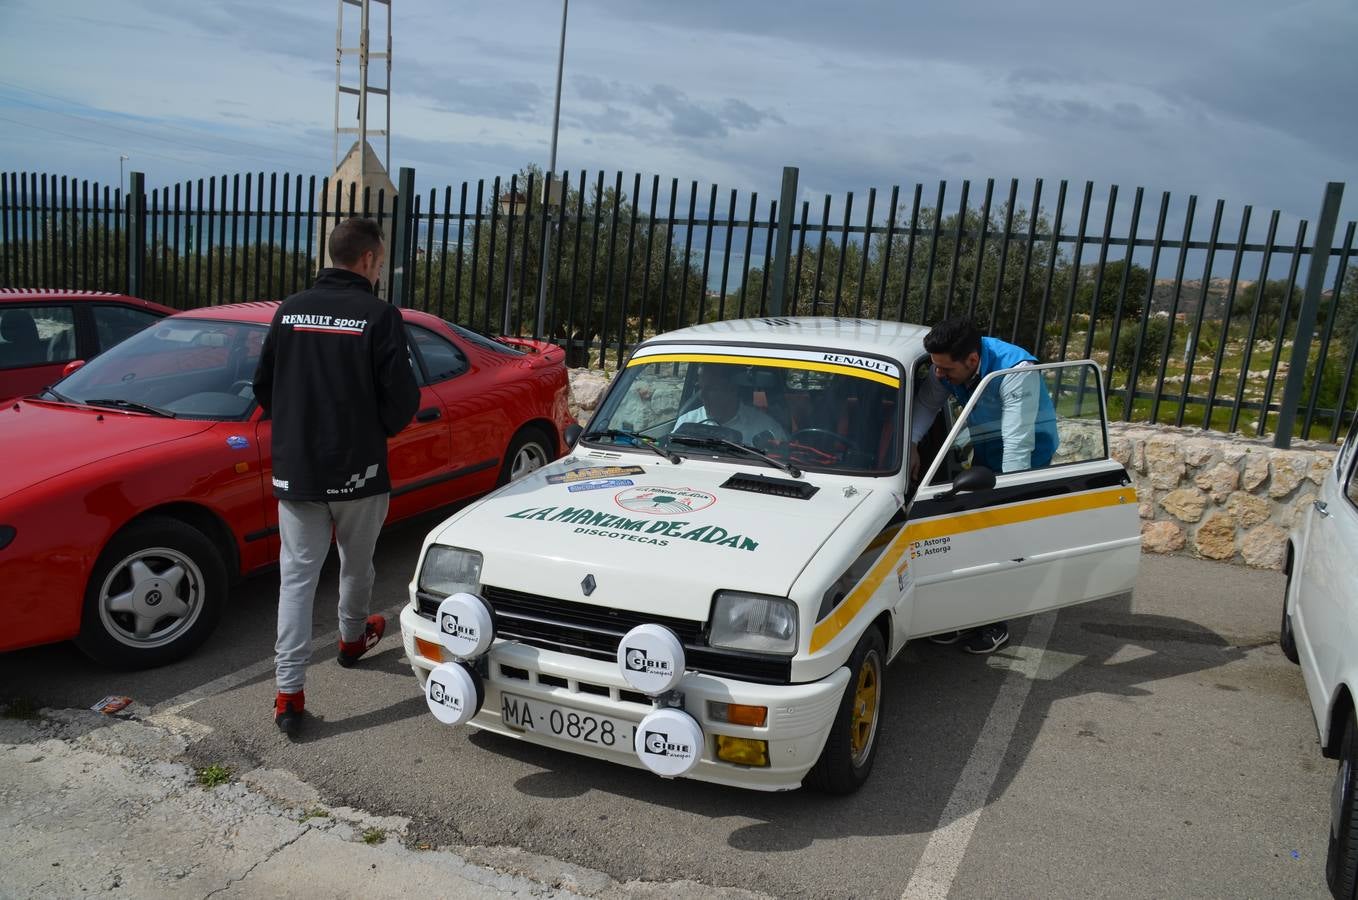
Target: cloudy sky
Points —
{"points": [[1250, 101]]}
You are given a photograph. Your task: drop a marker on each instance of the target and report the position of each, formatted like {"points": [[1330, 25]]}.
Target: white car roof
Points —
{"points": [[899, 340]]}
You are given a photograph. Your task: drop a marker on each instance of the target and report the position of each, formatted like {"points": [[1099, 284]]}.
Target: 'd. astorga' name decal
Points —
{"points": [[644, 531]]}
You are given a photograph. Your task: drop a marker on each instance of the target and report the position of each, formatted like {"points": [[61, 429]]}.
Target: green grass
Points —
{"points": [[315, 813], [212, 776], [374, 836], [1261, 361]]}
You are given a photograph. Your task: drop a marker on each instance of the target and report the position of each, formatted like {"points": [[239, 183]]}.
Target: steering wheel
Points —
{"points": [[806, 451], [824, 432]]}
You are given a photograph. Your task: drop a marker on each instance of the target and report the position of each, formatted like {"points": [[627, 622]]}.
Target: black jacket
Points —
{"points": [[335, 375]]}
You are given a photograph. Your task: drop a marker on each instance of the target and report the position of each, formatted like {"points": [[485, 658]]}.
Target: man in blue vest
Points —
{"points": [[1012, 427]]}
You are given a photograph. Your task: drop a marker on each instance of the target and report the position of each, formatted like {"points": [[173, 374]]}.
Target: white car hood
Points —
{"points": [[657, 538]]}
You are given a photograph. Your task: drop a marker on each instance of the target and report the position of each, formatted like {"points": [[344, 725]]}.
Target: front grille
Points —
{"points": [[595, 632]]}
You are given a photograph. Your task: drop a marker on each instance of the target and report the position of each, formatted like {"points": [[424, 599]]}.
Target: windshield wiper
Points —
{"points": [[648, 442], [133, 406], [789, 468], [60, 396]]}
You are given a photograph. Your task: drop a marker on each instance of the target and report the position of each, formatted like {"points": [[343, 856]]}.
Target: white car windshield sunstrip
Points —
{"points": [[858, 366]]}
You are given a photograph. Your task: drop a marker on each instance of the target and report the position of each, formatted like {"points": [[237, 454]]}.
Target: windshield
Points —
{"points": [[192, 368], [792, 405]]}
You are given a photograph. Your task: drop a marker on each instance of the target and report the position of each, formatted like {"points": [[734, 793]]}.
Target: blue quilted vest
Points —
{"points": [[996, 355]]}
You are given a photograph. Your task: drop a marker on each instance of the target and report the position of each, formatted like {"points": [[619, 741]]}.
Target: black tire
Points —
{"points": [[156, 593], [1287, 639], [846, 759], [531, 449], [1341, 860]]}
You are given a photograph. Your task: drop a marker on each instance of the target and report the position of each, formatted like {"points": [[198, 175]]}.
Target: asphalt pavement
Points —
{"points": [[1151, 746]]}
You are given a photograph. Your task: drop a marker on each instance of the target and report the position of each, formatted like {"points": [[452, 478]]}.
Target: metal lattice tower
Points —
{"points": [[362, 89]]}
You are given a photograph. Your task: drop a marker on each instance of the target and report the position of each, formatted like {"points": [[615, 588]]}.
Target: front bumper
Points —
{"points": [[799, 719]]}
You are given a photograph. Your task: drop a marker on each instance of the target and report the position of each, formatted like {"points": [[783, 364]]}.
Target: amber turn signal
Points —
{"points": [[429, 649]]}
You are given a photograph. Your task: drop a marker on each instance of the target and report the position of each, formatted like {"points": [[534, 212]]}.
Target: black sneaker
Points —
{"points": [[987, 638], [947, 637]]}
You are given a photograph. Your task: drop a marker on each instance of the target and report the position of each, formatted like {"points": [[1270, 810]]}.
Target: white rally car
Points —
{"points": [[1320, 631], [712, 582]]}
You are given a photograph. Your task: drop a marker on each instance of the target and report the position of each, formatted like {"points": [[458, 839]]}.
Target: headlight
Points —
{"points": [[743, 621], [447, 570]]}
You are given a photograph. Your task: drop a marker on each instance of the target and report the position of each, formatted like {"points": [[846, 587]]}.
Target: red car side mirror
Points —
{"points": [[71, 367]]}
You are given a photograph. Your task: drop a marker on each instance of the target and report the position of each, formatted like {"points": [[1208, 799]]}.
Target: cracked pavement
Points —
{"points": [[107, 806]]}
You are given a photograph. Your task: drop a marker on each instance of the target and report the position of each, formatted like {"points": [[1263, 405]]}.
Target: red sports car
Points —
{"points": [[41, 331], [136, 489]]}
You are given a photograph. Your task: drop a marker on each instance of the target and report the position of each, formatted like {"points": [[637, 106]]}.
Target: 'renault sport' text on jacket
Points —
{"points": [[335, 376]]}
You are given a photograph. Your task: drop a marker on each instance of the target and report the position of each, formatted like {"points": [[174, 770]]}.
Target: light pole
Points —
{"points": [[122, 157], [551, 172]]}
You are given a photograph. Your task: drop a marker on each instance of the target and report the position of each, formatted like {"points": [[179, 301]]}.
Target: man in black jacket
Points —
{"points": [[335, 375]]}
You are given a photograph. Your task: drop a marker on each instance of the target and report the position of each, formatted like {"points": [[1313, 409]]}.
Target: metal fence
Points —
{"points": [[1231, 332]]}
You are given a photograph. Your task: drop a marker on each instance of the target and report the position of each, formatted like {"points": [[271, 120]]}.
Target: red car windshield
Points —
{"points": [[191, 368]]}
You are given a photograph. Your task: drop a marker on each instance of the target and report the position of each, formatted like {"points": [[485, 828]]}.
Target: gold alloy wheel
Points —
{"points": [[866, 700]]}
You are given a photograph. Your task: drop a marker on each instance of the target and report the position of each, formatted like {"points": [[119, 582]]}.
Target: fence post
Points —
{"points": [[1310, 307], [400, 236], [787, 201], [134, 204]]}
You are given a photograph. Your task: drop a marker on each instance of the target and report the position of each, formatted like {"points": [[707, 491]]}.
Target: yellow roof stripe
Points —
{"points": [[955, 523], [888, 380]]}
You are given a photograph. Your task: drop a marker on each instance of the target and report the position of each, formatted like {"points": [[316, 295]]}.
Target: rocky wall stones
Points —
{"points": [[1219, 496]]}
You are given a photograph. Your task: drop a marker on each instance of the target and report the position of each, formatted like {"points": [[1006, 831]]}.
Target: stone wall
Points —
{"points": [[1202, 494], [1219, 496]]}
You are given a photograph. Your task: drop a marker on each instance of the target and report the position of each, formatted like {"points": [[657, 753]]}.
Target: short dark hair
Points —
{"points": [[352, 238], [958, 337]]}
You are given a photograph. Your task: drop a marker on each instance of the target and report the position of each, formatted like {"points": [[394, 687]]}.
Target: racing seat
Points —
{"points": [[864, 414], [767, 395]]}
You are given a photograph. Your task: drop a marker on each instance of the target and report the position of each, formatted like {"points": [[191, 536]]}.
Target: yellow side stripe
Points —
{"points": [[888, 380], [951, 524]]}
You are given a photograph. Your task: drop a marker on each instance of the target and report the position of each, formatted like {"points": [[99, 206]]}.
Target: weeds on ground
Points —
{"points": [[213, 775], [315, 813], [374, 836]]}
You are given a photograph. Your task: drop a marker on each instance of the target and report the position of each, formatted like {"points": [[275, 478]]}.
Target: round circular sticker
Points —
{"points": [[663, 501], [669, 742], [454, 693], [466, 629], [651, 659]]}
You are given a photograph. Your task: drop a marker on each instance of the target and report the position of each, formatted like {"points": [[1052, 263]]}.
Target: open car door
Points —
{"points": [[1055, 524]]}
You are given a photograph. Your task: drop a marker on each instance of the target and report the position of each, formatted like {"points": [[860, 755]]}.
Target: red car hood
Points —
{"points": [[39, 441]]}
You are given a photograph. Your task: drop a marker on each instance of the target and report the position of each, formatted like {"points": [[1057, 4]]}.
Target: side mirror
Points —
{"points": [[71, 367], [572, 435], [977, 478]]}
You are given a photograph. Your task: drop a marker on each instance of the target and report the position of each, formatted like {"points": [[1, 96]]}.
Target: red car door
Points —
{"points": [[480, 420]]}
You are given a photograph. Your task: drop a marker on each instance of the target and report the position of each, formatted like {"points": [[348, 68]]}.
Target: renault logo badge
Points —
{"points": [[588, 585]]}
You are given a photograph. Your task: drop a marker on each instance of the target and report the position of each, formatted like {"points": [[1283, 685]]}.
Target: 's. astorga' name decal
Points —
{"points": [[645, 531]]}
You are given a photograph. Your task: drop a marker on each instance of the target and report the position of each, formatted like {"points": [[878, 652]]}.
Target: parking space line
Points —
{"points": [[937, 867]]}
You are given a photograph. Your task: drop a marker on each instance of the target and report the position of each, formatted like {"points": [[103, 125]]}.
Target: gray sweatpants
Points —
{"points": [[304, 528]]}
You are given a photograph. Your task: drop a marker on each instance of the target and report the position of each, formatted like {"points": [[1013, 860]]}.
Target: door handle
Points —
{"points": [[428, 415], [1323, 508]]}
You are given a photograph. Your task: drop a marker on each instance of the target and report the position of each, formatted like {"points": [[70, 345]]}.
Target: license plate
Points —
{"points": [[540, 717]]}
